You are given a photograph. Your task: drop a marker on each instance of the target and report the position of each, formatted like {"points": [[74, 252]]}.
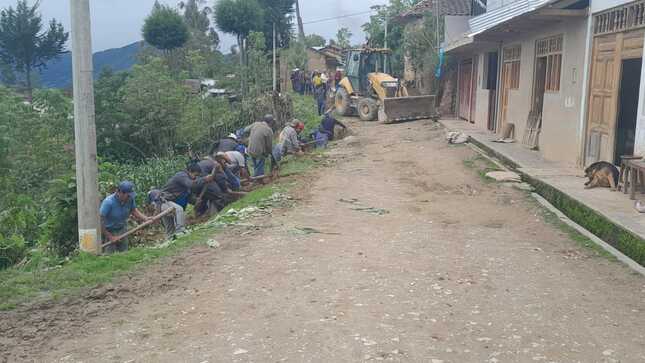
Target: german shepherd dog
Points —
{"points": [[602, 174]]}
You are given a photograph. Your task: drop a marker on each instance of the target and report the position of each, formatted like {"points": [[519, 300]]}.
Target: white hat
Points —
{"points": [[232, 136]]}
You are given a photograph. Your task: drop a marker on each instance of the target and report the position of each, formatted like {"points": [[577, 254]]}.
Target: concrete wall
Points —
{"points": [[315, 61], [456, 27], [562, 110]]}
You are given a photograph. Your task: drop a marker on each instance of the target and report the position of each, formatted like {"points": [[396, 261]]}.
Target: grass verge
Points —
{"points": [[618, 237], [577, 237], [82, 271], [482, 166]]}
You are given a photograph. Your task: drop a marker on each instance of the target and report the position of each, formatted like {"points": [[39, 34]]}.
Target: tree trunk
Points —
{"points": [[30, 94], [301, 29]]}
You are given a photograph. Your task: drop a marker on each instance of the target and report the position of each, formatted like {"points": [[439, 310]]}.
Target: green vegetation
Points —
{"points": [[343, 37], [619, 238], [304, 107], [165, 29], [24, 46], [149, 122], [482, 166], [47, 276], [294, 165], [572, 233]]}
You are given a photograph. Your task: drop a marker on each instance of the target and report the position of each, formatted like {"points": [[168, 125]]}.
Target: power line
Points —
{"points": [[337, 17]]}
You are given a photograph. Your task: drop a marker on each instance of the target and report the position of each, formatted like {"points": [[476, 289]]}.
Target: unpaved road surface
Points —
{"points": [[421, 261]]}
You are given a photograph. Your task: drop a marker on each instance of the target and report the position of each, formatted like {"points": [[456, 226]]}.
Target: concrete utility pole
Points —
{"points": [[89, 232]]}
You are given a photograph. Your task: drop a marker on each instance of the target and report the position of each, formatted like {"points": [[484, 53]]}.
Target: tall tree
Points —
{"points": [[239, 17], [301, 28], [24, 45], [343, 37], [197, 18], [280, 13], [165, 29], [375, 30], [315, 40]]}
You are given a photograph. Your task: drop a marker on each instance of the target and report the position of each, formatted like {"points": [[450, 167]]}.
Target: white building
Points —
{"points": [[565, 73]]}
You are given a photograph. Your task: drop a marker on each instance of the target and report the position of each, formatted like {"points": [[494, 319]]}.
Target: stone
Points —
{"points": [[504, 176], [456, 137]]}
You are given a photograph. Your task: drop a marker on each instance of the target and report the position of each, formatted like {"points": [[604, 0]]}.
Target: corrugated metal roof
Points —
{"points": [[502, 14], [446, 7]]}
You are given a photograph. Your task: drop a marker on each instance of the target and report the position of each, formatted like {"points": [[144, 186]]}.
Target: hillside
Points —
{"points": [[59, 72]]}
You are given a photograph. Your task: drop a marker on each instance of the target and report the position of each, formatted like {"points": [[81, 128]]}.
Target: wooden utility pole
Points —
{"points": [[301, 28], [89, 232]]}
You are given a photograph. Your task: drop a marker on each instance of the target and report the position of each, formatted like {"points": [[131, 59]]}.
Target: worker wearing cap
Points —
{"points": [[260, 143], [290, 144], [115, 211]]}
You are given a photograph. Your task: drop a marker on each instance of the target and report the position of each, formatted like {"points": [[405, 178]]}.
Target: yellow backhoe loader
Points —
{"points": [[369, 90]]}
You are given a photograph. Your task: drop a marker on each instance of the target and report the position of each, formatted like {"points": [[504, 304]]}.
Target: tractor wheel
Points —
{"points": [[367, 109], [342, 102]]}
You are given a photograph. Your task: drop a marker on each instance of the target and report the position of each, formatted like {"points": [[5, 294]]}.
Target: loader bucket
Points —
{"points": [[407, 108]]}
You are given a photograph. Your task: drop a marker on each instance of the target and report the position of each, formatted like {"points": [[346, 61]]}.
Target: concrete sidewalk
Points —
{"points": [[569, 180]]}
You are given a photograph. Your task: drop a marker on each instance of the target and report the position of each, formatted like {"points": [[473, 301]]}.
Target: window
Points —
{"points": [[512, 57], [551, 49]]}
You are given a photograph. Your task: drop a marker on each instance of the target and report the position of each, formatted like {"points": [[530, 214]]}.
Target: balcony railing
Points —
{"points": [[622, 18]]}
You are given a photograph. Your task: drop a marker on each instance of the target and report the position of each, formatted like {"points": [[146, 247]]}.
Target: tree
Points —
{"points": [[154, 100], [165, 29], [315, 40], [111, 118], [280, 13], [259, 66], [375, 30], [239, 17], [197, 18], [343, 37], [23, 43]]}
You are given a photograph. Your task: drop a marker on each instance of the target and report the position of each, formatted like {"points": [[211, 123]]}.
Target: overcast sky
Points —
{"points": [[116, 23]]}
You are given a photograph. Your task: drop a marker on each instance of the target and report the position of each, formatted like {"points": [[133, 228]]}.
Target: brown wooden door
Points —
{"points": [[608, 53], [465, 89], [507, 71]]}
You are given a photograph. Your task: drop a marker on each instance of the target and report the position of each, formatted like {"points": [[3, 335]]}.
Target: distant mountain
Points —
{"points": [[59, 72]]}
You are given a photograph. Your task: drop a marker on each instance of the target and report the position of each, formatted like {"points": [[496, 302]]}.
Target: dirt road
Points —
{"points": [[420, 261]]}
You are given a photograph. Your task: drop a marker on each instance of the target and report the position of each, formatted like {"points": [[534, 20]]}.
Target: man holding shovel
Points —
{"points": [[115, 211]]}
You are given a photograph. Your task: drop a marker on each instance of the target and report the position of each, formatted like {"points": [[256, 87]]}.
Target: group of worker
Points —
{"points": [[211, 183], [319, 84]]}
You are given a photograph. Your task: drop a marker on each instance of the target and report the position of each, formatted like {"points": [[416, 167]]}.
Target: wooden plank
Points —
{"points": [[141, 226]]}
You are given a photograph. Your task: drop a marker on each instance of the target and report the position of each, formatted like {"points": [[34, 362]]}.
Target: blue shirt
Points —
{"points": [[116, 214]]}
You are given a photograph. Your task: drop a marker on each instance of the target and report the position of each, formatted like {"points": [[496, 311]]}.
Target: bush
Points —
{"points": [[12, 250], [304, 107], [153, 173], [60, 235]]}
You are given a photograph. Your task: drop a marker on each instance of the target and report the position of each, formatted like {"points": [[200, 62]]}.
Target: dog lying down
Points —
{"points": [[602, 174]]}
